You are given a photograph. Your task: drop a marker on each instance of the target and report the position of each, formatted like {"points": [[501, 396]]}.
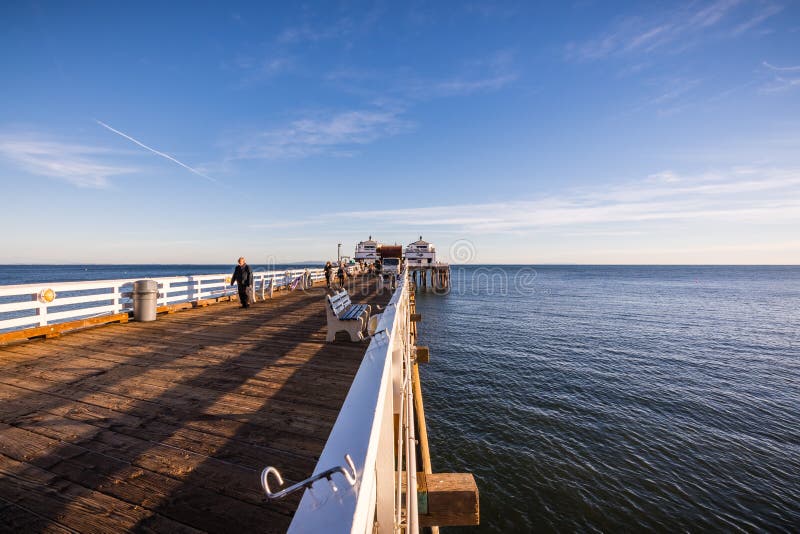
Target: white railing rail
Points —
{"points": [[364, 430], [31, 305]]}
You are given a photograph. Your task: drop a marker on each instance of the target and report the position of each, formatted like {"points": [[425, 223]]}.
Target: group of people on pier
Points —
{"points": [[243, 276], [342, 271]]}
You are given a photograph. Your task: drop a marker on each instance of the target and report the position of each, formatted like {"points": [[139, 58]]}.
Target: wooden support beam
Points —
{"points": [[422, 428], [423, 354], [54, 330], [452, 500], [422, 492], [416, 317]]}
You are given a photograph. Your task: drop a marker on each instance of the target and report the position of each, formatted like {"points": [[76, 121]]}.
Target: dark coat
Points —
{"points": [[242, 274]]}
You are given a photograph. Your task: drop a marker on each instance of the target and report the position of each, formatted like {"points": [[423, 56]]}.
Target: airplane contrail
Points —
{"points": [[154, 151]]}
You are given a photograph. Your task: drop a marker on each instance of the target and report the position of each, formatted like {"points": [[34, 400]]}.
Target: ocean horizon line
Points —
{"points": [[555, 264]]}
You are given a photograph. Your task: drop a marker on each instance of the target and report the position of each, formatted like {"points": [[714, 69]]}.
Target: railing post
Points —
{"points": [[398, 357], [41, 310], [384, 470], [117, 304], [165, 289]]}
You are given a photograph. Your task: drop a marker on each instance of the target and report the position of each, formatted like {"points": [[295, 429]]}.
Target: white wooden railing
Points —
{"points": [[31, 305], [364, 430]]}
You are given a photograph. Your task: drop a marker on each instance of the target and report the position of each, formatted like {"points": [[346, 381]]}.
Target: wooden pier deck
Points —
{"points": [[166, 426]]}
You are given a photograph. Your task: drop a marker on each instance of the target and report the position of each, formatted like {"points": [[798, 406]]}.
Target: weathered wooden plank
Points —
{"points": [[330, 359], [234, 448], [14, 518], [249, 394], [300, 357], [124, 480], [242, 391], [75, 506], [263, 424], [291, 359]]}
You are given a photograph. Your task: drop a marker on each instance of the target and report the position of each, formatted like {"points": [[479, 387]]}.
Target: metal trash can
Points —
{"points": [[145, 296]]}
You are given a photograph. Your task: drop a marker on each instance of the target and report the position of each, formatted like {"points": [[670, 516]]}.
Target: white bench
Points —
{"points": [[344, 315]]}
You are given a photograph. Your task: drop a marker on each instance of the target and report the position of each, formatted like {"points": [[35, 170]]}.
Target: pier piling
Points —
{"points": [[439, 274]]}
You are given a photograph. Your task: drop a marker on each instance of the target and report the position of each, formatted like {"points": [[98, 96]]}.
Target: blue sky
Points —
{"points": [[590, 132]]}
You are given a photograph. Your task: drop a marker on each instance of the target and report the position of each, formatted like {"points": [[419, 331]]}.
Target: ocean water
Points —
{"points": [[603, 398], [31, 274], [619, 398]]}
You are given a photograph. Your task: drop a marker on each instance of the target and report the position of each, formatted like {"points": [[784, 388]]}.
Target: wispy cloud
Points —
{"points": [[669, 92], [795, 68], [666, 96], [751, 195], [465, 86], [334, 133], [154, 151], [263, 68], [757, 19], [781, 78], [491, 9], [310, 33], [492, 72], [713, 13], [287, 51], [340, 133], [675, 30], [408, 87], [79, 165]]}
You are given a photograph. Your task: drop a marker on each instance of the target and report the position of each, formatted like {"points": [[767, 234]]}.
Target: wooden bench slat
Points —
{"points": [[353, 313]]}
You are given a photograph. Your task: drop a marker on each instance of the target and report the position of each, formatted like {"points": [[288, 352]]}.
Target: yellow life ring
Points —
{"points": [[47, 295]]}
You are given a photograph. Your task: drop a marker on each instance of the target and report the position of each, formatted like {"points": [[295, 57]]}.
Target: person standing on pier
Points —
{"points": [[340, 274], [243, 275], [328, 274]]}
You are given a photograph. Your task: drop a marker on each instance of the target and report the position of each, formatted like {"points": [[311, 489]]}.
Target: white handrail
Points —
{"points": [[29, 305], [364, 429]]}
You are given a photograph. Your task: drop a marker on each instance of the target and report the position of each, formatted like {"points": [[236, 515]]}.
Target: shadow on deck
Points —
{"points": [[166, 426]]}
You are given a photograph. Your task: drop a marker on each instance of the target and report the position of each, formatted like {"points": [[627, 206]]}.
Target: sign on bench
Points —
{"points": [[344, 315]]}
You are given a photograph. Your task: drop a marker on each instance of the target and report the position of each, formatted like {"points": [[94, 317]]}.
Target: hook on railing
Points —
{"points": [[350, 476]]}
